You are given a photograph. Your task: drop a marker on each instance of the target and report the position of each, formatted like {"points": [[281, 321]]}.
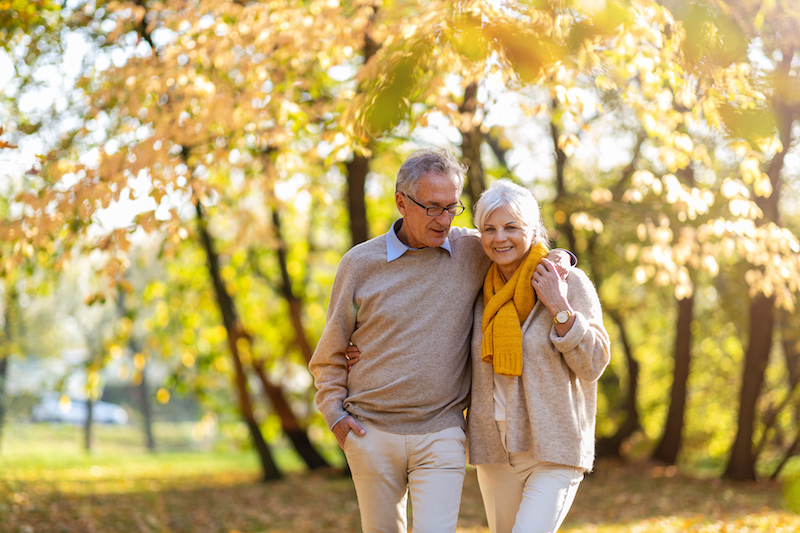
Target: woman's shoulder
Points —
{"points": [[577, 275]]}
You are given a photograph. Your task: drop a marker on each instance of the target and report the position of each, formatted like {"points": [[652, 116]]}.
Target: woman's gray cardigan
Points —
{"points": [[551, 407]]}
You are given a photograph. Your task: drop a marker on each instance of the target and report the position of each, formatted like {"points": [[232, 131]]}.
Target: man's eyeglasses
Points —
{"points": [[436, 210]]}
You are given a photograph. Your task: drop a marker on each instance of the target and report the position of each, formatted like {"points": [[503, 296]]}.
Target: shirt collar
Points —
{"points": [[395, 247]]}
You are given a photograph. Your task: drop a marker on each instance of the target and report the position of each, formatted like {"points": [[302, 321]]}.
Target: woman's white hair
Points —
{"points": [[520, 203]]}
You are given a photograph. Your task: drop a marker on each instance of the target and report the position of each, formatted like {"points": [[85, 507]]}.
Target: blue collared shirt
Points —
{"points": [[395, 248]]}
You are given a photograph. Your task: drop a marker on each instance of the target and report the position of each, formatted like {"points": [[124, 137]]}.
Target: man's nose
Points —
{"points": [[444, 219]]}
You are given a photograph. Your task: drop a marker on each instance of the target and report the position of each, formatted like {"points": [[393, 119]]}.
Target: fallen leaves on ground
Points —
{"points": [[617, 498]]}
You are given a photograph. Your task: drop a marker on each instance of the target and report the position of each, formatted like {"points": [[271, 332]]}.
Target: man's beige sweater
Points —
{"points": [[411, 319]]}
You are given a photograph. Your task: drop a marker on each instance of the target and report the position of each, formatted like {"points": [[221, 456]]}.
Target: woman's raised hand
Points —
{"points": [[551, 286]]}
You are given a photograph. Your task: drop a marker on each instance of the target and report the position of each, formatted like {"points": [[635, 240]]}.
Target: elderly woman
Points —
{"points": [[538, 349]]}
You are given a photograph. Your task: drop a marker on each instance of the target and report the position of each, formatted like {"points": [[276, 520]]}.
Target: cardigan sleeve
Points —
{"points": [[586, 347], [328, 364]]}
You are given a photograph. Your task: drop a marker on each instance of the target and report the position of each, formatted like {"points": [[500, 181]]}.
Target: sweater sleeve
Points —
{"points": [[328, 364], [586, 347]]}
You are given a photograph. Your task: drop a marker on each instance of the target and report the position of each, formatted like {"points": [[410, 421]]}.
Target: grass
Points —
{"points": [[29, 449], [48, 484]]}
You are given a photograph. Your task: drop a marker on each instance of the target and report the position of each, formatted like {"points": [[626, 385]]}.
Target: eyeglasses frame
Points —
{"points": [[447, 209]]}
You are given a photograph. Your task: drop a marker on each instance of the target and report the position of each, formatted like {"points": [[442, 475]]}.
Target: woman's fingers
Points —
{"points": [[547, 267]]}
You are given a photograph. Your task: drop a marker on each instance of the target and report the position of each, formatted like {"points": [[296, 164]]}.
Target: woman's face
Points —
{"points": [[505, 240]]}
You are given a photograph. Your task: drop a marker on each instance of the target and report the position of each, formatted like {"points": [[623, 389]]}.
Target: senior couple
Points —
{"points": [[416, 302]]}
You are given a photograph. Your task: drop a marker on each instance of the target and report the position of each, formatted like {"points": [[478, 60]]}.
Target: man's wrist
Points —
{"points": [[338, 420]]}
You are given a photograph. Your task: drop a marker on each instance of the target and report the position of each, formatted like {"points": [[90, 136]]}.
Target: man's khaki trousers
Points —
{"points": [[430, 466]]}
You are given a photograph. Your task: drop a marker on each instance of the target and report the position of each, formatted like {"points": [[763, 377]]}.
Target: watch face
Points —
{"points": [[562, 317]]}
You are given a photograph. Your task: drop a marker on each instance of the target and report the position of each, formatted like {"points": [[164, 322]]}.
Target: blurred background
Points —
{"points": [[178, 180]]}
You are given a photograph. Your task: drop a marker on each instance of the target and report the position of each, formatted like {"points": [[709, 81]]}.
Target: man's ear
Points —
{"points": [[400, 201]]}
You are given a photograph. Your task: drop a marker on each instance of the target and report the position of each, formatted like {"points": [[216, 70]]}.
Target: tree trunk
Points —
{"points": [[357, 171], [771, 418], [790, 338], [289, 423], [790, 452], [235, 331], [3, 377], [142, 389], [670, 444], [471, 141], [358, 168], [94, 365], [741, 463], [87, 425], [610, 446], [287, 291], [5, 352], [268, 466], [498, 148], [563, 223]]}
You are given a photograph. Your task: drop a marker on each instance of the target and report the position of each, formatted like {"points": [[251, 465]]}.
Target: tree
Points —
{"points": [[772, 24]]}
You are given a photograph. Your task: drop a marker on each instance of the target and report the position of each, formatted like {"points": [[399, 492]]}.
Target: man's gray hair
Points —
{"points": [[429, 161], [520, 203]]}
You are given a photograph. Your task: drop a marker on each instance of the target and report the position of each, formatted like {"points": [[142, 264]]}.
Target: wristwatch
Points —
{"points": [[562, 316]]}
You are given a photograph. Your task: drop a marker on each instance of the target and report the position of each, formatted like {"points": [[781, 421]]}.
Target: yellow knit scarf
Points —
{"points": [[507, 305]]}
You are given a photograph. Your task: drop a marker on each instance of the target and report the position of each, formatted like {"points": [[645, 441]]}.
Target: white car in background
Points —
{"points": [[62, 409]]}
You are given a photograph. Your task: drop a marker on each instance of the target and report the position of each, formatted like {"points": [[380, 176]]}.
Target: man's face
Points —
{"points": [[419, 229]]}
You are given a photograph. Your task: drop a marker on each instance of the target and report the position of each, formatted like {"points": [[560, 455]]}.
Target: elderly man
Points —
{"points": [[405, 299]]}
